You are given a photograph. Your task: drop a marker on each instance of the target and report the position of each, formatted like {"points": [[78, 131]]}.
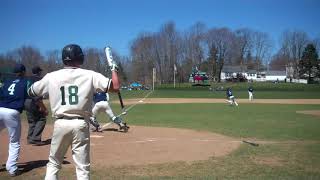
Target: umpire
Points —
{"points": [[36, 116]]}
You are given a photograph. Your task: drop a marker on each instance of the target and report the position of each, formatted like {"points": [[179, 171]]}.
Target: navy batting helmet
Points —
{"points": [[72, 53]]}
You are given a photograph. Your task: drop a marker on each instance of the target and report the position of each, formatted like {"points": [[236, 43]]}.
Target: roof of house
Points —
{"points": [[252, 71], [234, 68], [276, 73]]}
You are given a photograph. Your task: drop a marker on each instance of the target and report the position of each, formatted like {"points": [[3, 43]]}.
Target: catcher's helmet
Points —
{"points": [[36, 70], [72, 53]]}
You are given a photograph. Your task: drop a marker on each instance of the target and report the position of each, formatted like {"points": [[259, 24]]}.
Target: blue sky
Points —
{"points": [[51, 24]]}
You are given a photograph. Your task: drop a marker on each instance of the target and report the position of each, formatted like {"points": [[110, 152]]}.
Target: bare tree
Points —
{"points": [[293, 44], [243, 44], [142, 58], [261, 46], [54, 61], [279, 61], [220, 40], [29, 56], [92, 59]]}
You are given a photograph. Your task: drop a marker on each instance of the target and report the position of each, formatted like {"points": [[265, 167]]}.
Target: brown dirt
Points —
{"points": [[141, 145]]}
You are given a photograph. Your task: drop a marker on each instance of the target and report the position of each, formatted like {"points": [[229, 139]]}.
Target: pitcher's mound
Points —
{"points": [[149, 145], [141, 145]]}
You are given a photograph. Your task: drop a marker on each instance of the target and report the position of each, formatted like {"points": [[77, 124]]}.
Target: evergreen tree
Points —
{"points": [[309, 64]]}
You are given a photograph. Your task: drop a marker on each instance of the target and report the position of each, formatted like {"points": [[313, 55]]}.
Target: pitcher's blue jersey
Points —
{"points": [[13, 94], [250, 89], [229, 93]]}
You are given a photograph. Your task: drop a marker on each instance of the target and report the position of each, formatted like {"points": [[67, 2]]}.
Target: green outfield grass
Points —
{"points": [[261, 91], [262, 121]]}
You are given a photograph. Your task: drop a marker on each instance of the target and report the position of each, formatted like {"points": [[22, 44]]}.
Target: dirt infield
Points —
{"points": [[143, 145]]}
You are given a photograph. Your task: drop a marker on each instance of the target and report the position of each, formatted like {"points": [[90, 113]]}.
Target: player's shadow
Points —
{"points": [[113, 129], [48, 141], [110, 129], [29, 166]]}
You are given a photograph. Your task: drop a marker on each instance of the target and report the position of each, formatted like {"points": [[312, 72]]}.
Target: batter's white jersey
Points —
{"points": [[71, 90]]}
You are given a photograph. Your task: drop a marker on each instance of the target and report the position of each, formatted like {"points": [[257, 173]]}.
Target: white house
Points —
{"points": [[276, 75], [229, 72]]}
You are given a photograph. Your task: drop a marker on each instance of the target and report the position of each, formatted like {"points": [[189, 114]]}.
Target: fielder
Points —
{"points": [[230, 97], [13, 94], [101, 104], [70, 93], [250, 91]]}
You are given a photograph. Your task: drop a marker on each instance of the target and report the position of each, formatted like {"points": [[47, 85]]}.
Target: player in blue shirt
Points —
{"points": [[12, 97], [101, 104], [230, 97]]}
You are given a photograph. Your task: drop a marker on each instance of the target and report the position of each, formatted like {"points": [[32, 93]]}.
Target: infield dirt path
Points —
{"points": [[143, 145]]}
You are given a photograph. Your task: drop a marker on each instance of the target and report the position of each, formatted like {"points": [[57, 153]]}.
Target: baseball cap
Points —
{"points": [[18, 68], [36, 69]]}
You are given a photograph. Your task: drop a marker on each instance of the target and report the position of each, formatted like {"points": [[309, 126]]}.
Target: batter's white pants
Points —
{"points": [[10, 119], [250, 96], [102, 106], [74, 133]]}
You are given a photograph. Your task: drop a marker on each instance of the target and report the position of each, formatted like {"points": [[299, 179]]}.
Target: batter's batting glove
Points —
{"points": [[114, 67]]}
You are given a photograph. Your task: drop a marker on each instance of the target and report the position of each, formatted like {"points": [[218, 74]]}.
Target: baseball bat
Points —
{"points": [[110, 59], [120, 99]]}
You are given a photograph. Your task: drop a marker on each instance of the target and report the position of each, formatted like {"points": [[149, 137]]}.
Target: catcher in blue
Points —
{"points": [[13, 94], [101, 104], [230, 97], [70, 93]]}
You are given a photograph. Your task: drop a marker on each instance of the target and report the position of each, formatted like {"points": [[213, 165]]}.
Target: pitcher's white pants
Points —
{"points": [[250, 96], [10, 119], [66, 132]]}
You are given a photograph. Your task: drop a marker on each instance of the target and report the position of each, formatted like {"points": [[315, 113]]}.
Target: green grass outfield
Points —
{"points": [[261, 91], [262, 121]]}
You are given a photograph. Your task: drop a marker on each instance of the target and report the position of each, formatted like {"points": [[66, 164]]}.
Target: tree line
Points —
{"points": [[208, 49]]}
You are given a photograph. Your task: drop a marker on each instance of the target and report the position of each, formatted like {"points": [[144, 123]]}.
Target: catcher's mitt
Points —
{"points": [[42, 108]]}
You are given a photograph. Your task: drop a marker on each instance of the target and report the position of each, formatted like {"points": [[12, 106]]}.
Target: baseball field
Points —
{"points": [[192, 133]]}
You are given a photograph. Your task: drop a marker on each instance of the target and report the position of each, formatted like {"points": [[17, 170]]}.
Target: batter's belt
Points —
{"points": [[69, 118]]}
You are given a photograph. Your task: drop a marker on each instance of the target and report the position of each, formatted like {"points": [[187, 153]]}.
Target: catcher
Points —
{"points": [[36, 113]]}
